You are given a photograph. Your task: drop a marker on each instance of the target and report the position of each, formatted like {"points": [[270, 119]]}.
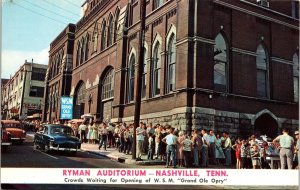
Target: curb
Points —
{"points": [[126, 160]]}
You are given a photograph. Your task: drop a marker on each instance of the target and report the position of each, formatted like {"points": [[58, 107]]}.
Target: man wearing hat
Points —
{"points": [[296, 152], [286, 143]]}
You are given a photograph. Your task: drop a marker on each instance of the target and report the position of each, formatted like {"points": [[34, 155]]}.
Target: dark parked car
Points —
{"points": [[56, 137]]}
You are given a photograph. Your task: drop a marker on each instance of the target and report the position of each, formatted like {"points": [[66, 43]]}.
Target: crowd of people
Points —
{"points": [[200, 148], [179, 149]]}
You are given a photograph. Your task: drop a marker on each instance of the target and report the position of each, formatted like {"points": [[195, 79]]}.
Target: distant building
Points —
{"points": [[3, 104], [227, 65], [22, 95]]}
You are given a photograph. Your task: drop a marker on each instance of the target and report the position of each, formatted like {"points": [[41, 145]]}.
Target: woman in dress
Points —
{"points": [[237, 148], [219, 150], [94, 135], [90, 131], [180, 148]]}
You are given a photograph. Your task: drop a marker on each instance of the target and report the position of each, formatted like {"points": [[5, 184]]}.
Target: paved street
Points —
{"points": [[25, 156]]}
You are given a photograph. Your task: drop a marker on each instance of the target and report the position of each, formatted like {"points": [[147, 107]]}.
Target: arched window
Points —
{"points": [[131, 71], [103, 35], [110, 34], [80, 97], [296, 77], [156, 65], [144, 76], [78, 52], [220, 63], [87, 46], [108, 85], [171, 64], [95, 38], [82, 50], [262, 72], [116, 25]]}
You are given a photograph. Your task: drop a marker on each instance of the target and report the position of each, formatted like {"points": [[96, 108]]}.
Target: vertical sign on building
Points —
{"points": [[66, 107]]}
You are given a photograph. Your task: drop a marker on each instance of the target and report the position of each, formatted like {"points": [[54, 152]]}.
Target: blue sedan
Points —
{"points": [[56, 137]]}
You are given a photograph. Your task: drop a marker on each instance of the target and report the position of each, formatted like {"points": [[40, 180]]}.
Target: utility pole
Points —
{"points": [[138, 90]]}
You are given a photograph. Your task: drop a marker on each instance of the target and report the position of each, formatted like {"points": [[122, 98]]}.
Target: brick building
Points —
{"points": [[222, 64]]}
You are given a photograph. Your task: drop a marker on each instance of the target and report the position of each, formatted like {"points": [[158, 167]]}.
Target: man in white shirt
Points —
{"points": [[171, 141], [205, 147]]}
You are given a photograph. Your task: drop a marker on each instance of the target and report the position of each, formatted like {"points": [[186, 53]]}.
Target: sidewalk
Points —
{"points": [[114, 154]]}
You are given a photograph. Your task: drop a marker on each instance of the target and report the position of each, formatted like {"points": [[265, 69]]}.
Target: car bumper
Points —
{"points": [[5, 143], [63, 149], [17, 138]]}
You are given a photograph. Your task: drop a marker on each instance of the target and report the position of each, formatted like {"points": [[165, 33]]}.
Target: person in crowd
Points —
{"points": [[219, 150], [94, 135], [180, 148], [116, 136], [110, 130], [146, 137], [171, 141], [252, 141], [140, 131], [127, 139], [286, 143], [122, 138], [263, 155], [212, 147], [90, 131], [243, 153], [151, 144], [82, 129], [158, 142], [255, 157], [187, 145], [227, 148], [237, 148], [104, 134], [197, 147], [296, 150], [205, 148]]}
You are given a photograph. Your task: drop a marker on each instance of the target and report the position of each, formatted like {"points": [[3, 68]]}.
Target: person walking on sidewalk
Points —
{"points": [[171, 141], [104, 133], [82, 129], [286, 143], [140, 131]]}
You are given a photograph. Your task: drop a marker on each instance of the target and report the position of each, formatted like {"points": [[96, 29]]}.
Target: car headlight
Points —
{"points": [[51, 139]]}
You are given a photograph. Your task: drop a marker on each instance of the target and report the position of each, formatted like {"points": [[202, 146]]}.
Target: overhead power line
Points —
{"points": [[61, 8], [40, 14], [49, 10]]}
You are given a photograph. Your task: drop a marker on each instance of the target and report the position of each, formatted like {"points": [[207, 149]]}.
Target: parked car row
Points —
{"points": [[50, 137]]}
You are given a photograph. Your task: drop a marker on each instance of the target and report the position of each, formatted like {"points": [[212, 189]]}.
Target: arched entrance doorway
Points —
{"points": [[79, 100], [265, 124], [106, 94]]}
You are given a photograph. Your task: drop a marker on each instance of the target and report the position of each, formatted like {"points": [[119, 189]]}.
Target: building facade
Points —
{"points": [[58, 77], [215, 64], [22, 95]]}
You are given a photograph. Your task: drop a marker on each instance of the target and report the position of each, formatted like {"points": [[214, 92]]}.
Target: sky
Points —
{"points": [[28, 28]]}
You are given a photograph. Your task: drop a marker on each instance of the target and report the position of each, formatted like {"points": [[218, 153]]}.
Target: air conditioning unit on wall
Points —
{"points": [[263, 3]]}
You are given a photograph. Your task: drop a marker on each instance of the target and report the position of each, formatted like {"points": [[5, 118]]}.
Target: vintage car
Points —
{"points": [[15, 128], [56, 137], [5, 140]]}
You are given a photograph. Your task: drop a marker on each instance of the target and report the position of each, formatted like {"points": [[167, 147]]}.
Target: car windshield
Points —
{"points": [[62, 130]]}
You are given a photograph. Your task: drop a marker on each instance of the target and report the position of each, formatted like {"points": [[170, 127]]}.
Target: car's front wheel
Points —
{"points": [[47, 148]]}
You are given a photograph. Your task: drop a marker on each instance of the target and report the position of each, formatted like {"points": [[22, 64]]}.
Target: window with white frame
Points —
{"points": [[262, 72], [296, 77], [108, 85], [171, 63], [131, 71], [156, 66], [220, 64]]}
